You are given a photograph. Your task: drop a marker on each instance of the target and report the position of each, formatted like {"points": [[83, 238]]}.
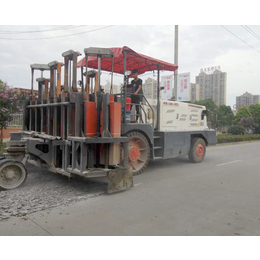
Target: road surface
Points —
{"points": [[220, 196]]}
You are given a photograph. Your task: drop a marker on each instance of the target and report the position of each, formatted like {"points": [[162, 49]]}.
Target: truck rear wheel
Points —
{"points": [[138, 152], [12, 174], [197, 150]]}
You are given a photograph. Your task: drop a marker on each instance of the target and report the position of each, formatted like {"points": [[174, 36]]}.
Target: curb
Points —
{"points": [[236, 143]]}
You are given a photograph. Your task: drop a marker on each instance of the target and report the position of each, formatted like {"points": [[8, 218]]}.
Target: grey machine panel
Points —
{"points": [[178, 143], [209, 135]]}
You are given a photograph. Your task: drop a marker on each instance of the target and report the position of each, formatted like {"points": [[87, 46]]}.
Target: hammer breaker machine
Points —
{"points": [[70, 131]]}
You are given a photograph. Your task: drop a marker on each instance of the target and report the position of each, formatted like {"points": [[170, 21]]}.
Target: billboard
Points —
{"points": [[183, 87], [166, 82], [210, 70]]}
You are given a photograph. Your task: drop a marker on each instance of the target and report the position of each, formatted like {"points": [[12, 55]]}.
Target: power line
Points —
{"points": [[251, 32], [240, 39], [55, 37], [47, 30]]}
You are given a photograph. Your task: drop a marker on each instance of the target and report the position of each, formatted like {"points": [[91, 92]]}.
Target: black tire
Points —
{"points": [[19, 174], [197, 150], [144, 152]]}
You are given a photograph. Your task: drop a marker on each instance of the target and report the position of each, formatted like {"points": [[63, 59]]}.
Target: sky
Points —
{"points": [[203, 42], [199, 47]]}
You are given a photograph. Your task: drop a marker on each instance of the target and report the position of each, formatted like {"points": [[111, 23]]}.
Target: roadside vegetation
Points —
{"points": [[8, 106], [242, 126], [228, 138]]}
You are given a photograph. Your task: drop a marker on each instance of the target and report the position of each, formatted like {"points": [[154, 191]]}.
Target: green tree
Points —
{"points": [[225, 116], [8, 106], [212, 108], [255, 111], [236, 130], [242, 112], [22, 96], [247, 123]]}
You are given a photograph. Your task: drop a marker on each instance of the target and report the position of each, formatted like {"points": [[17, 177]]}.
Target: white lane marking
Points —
{"points": [[137, 184], [228, 163]]}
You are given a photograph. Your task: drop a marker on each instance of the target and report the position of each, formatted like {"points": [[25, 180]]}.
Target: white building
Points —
{"points": [[247, 99], [150, 88], [213, 85], [107, 87], [256, 99], [194, 92]]}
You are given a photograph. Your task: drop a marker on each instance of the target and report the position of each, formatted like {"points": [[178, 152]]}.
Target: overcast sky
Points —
{"points": [[199, 47]]}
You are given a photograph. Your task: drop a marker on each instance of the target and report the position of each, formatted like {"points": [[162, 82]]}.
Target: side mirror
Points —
{"points": [[204, 113]]}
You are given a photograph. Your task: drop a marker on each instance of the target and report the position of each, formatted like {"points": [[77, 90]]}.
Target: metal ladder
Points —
{"points": [[158, 146]]}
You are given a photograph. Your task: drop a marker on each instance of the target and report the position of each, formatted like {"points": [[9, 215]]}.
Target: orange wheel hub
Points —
{"points": [[199, 150], [134, 153]]}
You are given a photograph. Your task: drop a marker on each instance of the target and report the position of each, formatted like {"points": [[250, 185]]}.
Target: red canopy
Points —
{"points": [[134, 60]]}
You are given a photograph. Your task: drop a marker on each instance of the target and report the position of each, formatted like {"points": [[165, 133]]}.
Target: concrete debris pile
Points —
{"points": [[44, 190]]}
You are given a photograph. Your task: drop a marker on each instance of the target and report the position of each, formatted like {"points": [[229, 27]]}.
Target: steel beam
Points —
{"points": [[78, 115], [83, 157], [106, 132], [74, 73], [158, 98], [50, 104], [99, 72], [66, 74]]}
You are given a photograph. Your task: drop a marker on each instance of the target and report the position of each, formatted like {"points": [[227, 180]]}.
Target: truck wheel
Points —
{"points": [[138, 152], [197, 150], [12, 174]]}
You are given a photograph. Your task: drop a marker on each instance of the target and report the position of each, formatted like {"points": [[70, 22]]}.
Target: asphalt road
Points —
{"points": [[220, 196]]}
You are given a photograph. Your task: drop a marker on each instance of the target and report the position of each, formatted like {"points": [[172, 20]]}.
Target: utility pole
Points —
{"points": [[176, 60]]}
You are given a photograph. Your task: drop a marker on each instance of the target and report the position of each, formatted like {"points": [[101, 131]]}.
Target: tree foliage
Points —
{"points": [[8, 105], [225, 116], [236, 130], [212, 108], [247, 123], [255, 112], [242, 112], [219, 117]]}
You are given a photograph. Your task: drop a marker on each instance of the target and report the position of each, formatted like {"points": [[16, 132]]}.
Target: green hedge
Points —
{"points": [[227, 138], [236, 130]]}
